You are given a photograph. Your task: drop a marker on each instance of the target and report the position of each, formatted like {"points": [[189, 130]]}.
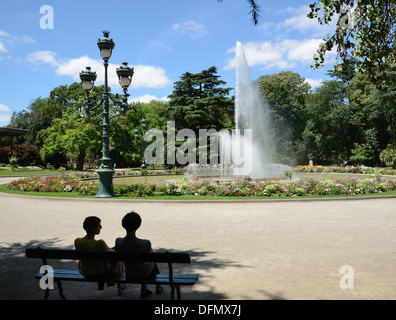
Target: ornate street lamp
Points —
{"points": [[125, 75], [88, 77]]}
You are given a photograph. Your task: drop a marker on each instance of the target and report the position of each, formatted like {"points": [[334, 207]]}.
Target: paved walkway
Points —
{"points": [[242, 250]]}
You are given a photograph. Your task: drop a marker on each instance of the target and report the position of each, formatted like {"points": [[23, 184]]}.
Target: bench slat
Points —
{"points": [[69, 254], [77, 274], [74, 275]]}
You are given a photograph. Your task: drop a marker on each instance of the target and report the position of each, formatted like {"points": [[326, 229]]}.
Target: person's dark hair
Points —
{"points": [[90, 222], [131, 221]]}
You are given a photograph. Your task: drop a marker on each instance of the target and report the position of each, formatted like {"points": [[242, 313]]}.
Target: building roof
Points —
{"points": [[12, 132]]}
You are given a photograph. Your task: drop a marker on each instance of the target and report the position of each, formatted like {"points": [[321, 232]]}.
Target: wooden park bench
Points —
{"points": [[174, 280]]}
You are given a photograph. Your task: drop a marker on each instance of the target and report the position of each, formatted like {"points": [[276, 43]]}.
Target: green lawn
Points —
{"points": [[148, 179], [22, 173]]}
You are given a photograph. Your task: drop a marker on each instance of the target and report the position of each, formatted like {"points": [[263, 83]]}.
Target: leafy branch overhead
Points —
{"points": [[365, 30], [254, 10]]}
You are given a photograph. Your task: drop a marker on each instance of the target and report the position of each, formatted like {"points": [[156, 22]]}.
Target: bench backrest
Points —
{"points": [[69, 254]]}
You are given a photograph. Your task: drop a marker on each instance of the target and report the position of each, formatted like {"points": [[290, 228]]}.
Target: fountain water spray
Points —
{"points": [[249, 149]]}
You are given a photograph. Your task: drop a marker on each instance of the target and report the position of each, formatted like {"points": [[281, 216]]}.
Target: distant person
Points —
{"points": [[92, 226], [137, 270]]}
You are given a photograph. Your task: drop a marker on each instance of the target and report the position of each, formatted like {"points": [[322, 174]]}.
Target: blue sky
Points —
{"points": [[161, 39]]}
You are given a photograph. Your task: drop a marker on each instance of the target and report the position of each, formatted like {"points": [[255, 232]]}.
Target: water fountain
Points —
{"points": [[248, 150]]}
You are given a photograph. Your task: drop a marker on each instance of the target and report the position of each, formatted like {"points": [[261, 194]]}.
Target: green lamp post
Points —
{"points": [[88, 77]]}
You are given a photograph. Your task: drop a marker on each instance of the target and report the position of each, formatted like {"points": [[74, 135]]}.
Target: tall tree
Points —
{"points": [[124, 150], [376, 113], [332, 127], [69, 133], [38, 116], [199, 101], [286, 93], [344, 74], [73, 137]]}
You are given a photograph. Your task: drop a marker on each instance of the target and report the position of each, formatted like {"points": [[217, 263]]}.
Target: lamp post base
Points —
{"points": [[105, 183]]}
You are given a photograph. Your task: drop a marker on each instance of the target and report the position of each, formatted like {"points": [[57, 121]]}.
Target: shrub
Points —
{"points": [[135, 190], [28, 154], [358, 159], [388, 156]]}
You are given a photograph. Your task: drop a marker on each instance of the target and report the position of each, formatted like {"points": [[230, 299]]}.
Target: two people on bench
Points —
{"points": [[131, 222]]}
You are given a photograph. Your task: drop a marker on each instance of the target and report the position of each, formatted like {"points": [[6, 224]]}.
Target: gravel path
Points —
{"points": [[242, 250]]}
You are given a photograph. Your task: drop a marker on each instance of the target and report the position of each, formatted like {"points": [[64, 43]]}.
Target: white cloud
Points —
{"points": [[3, 35], [297, 20], [47, 57], [2, 47], [5, 118], [282, 54], [297, 40], [301, 23], [27, 39], [265, 53], [147, 98], [301, 51], [314, 82], [4, 108], [191, 28], [8, 40], [4, 114], [144, 76], [150, 77], [73, 67]]}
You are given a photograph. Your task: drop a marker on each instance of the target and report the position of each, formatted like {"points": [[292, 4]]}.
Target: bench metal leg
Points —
{"points": [[101, 285], [46, 294], [172, 293], [178, 292], [60, 289]]}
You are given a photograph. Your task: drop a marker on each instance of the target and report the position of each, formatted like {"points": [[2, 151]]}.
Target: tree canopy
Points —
{"points": [[344, 119], [199, 101]]}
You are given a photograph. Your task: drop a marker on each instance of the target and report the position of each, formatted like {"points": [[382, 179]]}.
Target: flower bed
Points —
{"points": [[346, 169], [245, 188], [46, 184], [67, 184], [301, 188]]}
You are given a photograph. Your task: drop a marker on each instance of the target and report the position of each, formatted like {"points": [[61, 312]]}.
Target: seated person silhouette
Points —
{"points": [[137, 270], [92, 226]]}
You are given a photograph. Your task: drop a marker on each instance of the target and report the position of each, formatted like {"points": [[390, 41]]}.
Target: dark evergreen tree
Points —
{"points": [[199, 101]]}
